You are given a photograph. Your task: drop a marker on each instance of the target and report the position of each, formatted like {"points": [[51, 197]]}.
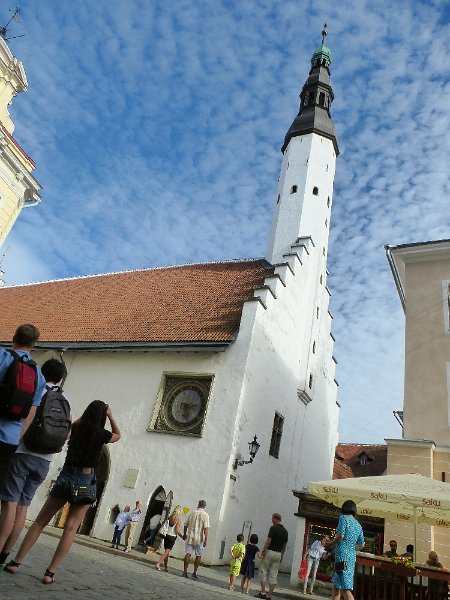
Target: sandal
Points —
{"points": [[12, 567], [50, 576]]}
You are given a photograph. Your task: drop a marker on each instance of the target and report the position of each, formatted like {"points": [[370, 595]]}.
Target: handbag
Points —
{"points": [[83, 493], [163, 529], [302, 569], [340, 566]]}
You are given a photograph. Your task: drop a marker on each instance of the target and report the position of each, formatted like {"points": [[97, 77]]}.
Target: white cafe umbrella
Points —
{"points": [[407, 498]]}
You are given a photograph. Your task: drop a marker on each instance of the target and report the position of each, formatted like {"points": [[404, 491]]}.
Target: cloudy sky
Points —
{"points": [[157, 126]]}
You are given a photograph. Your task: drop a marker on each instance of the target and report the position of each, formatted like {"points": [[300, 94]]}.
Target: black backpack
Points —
{"points": [[50, 427], [18, 387]]}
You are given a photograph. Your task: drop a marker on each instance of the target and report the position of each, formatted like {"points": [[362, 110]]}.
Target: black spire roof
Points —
{"points": [[315, 100]]}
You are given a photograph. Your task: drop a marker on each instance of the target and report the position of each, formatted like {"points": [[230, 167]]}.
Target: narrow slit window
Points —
{"points": [[278, 198], [328, 202], [321, 99], [310, 381], [317, 312], [314, 347], [277, 432]]}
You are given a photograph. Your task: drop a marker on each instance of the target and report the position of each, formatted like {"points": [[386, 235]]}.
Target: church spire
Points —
{"points": [[315, 100]]}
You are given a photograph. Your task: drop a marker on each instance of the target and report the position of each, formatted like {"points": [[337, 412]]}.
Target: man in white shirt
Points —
{"points": [[135, 515], [26, 471], [196, 537], [313, 556]]}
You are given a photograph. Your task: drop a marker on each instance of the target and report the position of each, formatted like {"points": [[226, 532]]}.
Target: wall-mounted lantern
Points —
{"points": [[253, 448]]}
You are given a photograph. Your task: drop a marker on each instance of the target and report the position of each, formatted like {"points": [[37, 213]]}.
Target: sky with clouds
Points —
{"points": [[156, 128]]}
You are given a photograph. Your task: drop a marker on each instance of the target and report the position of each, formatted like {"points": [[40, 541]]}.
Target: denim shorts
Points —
{"points": [[23, 477], [70, 475]]}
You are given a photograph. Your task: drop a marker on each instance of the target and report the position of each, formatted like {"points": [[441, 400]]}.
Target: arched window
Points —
{"points": [[294, 189], [322, 99]]}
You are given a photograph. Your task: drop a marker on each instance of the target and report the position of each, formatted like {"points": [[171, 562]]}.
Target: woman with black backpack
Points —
{"points": [[75, 484]]}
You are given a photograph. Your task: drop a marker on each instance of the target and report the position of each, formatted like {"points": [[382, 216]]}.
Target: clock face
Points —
{"points": [[183, 405]]}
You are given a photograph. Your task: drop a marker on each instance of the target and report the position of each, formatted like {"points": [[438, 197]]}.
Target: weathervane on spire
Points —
{"points": [[4, 30], [324, 33]]}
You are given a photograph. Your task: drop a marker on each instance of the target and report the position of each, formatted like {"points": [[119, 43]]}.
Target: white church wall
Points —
{"points": [[192, 467], [272, 377]]}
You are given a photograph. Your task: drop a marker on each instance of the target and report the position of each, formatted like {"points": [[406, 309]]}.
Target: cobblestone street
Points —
{"points": [[94, 575], [95, 571]]}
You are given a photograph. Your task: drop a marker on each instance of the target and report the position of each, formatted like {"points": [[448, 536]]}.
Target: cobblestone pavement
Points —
{"points": [[93, 571], [94, 575]]}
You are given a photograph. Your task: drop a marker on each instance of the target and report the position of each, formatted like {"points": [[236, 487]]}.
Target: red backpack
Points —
{"points": [[18, 388]]}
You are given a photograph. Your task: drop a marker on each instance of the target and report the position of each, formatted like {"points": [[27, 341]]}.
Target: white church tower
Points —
{"points": [[309, 157], [301, 218]]}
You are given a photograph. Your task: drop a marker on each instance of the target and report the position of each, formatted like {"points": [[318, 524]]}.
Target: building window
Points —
{"points": [[278, 199], [317, 312], [314, 347], [294, 189], [323, 251], [363, 460], [310, 381], [277, 432], [321, 99], [328, 202], [181, 404], [315, 191], [326, 222]]}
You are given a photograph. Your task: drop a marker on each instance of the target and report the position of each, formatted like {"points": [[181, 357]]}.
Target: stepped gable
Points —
{"points": [[194, 303], [359, 460]]}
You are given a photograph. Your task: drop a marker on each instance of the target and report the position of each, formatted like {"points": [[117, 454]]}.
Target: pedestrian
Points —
{"points": [[173, 529], [152, 530], [248, 564], [11, 429], [392, 549], [437, 589], [195, 535], [77, 476], [135, 515], [409, 551], [119, 525], [28, 469], [349, 536], [237, 552], [272, 556], [313, 556]]}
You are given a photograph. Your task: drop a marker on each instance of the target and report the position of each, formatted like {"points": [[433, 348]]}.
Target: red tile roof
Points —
{"points": [[190, 303], [347, 462]]}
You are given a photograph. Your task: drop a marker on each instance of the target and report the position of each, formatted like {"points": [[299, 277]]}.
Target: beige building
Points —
{"points": [[422, 276], [18, 187]]}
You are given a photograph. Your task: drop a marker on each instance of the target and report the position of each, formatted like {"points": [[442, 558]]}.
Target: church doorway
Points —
{"points": [[155, 507]]}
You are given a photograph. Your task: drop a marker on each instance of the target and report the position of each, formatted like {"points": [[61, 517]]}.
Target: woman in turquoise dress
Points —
{"points": [[348, 536]]}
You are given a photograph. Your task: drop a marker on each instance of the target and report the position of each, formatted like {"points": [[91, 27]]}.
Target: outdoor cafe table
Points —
{"points": [[378, 578]]}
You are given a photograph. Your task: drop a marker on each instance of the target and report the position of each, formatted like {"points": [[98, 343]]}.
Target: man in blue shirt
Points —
{"points": [[11, 431]]}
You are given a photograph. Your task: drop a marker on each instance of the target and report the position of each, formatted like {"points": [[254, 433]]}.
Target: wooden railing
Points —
{"points": [[379, 579]]}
